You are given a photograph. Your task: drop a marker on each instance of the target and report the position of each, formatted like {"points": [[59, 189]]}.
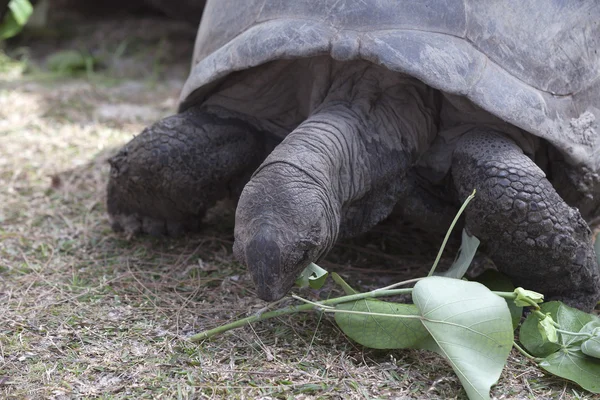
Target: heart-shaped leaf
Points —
{"points": [[472, 327], [382, 332], [570, 363], [568, 318], [18, 13], [591, 346]]}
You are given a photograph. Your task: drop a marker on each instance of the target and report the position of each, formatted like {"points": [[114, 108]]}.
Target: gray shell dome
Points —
{"points": [[534, 64]]}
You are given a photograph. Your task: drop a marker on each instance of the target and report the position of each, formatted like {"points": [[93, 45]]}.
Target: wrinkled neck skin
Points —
{"points": [[337, 173]]}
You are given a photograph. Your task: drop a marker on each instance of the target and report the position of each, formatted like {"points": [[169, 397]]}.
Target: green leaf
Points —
{"points": [[568, 318], [9, 27], [345, 287], [592, 327], [526, 298], [21, 10], [497, 281], [468, 248], [531, 338], [313, 276], [449, 231], [570, 363], [14, 20], [547, 329], [472, 327], [381, 332], [591, 346]]}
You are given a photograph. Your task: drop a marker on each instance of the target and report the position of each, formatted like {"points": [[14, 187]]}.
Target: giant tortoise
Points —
{"points": [[322, 116]]}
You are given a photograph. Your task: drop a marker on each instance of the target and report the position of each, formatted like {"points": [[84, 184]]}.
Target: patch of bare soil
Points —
{"points": [[86, 313]]}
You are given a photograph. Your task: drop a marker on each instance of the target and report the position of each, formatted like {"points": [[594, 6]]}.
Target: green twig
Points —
{"points": [[588, 335], [526, 354], [506, 295], [454, 221], [312, 302], [248, 320], [308, 307], [294, 309], [371, 313], [395, 285], [532, 303]]}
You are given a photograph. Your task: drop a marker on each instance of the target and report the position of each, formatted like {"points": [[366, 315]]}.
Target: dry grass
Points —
{"points": [[85, 313]]}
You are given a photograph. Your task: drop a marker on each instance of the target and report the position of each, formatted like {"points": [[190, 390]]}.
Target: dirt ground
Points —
{"points": [[87, 313]]}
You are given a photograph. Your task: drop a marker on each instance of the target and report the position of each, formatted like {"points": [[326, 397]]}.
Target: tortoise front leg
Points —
{"points": [[164, 180], [531, 234]]}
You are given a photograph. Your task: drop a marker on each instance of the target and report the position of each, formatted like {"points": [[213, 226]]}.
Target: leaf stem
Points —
{"points": [[588, 335], [541, 316], [532, 303], [371, 314], [395, 285], [506, 295], [324, 307], [454, 221], [526, 354]]}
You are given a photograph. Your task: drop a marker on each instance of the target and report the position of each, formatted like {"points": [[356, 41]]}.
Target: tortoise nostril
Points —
{"points": [[263, 258]]}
